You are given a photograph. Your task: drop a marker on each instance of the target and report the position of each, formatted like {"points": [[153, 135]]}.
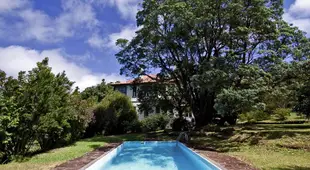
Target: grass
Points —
{"points": [[293, 118], [265, 146], [266, 157], [54, 157]]}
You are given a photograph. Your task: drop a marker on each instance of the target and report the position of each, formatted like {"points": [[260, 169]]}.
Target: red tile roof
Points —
{"points": [[143, 79]]}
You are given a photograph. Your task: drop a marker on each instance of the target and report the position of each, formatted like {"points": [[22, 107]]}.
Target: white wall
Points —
{"points": [[135, 102]]}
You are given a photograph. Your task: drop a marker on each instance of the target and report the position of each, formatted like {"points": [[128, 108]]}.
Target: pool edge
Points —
{"points": [[205, 158], [212, 162], [101, 156]]}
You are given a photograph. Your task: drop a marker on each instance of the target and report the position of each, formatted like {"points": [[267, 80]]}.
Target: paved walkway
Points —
{"points": [[224, 161], [80, 162]]}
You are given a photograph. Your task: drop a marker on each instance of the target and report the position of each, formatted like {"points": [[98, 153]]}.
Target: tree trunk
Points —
{"points": [[204, 112]]}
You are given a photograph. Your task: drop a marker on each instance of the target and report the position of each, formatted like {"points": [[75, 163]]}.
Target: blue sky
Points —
{"points": [[79, 35]]}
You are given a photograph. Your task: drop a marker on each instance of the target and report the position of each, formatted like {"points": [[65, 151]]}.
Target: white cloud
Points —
{"points": [[76, 13], [300, 8], [8, 5], [76, 16], [17, 58], [298, 14], [36, 25], [31, 24], [127, 8], [127, 32], [96, 41]]}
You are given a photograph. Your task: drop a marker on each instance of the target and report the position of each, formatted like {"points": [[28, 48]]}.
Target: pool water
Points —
{"points": [[152, 156]]}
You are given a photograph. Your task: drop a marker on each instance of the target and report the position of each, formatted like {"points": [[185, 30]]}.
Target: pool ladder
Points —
{"points": [[185, 137]]}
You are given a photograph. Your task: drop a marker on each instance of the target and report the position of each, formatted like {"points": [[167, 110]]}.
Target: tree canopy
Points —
{"points": [[214, 50], [39, 107]]}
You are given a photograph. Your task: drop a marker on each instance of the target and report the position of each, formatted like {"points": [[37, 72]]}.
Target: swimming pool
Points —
{"points": [[152, 156]]}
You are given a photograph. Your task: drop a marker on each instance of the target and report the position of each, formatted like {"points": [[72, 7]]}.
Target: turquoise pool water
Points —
{"points": [[152, 156]]}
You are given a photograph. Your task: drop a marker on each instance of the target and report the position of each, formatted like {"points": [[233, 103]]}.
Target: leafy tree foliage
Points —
{"points": [[163, 95], [282, 113], [82, 112], [38, 107], [155, 122], [115, 114], [212, 56], [99, 91], [303, 93], [48, 95]]}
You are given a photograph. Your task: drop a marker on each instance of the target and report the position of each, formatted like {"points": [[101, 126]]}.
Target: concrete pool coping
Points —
{"points": [[213, 163], [222, 160], [103, 155]]}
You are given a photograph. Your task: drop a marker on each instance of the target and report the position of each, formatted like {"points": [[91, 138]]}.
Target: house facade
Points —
{"points": [[130, 88]]}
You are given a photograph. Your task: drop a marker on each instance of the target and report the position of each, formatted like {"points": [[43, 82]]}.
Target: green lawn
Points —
{"points": [[60, 155], [265, 146], [265, 157]]}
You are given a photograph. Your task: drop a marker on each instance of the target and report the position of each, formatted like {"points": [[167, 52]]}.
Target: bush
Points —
{"points": [[281, 113], [81, 114], [115, 114], [230, 103], [155, 122], [254, 116], [38, 107], [135, 126]]}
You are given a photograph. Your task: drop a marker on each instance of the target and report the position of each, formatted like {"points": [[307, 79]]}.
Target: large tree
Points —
{"points": [[303, 93], [99, 91], [195, 41], [38, 106]]}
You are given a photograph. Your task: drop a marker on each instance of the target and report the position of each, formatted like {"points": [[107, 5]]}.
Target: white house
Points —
{"points": [[130, 88]]}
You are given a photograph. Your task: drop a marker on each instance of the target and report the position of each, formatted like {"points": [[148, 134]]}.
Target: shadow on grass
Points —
{"points": [[292, 168], [275, 131], [116, 139], [214, 144], [94, 146], [280, 134], [267, 127]]}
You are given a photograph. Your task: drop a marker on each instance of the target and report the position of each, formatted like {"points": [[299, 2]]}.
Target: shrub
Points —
{"points": [[254, 116], [135, 126], [38, 107], [115, 114], [281, 113], [155, 122], [230, 103], [81, 114]]}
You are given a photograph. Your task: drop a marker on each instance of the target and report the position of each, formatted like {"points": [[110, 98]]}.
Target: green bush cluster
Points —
{"points": [[115, 114], [281, 113], [254, 116], [155, 122], [38, 107]]}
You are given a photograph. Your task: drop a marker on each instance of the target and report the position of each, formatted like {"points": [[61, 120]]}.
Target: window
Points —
{"points": [[122, 89], [134, 92]]}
